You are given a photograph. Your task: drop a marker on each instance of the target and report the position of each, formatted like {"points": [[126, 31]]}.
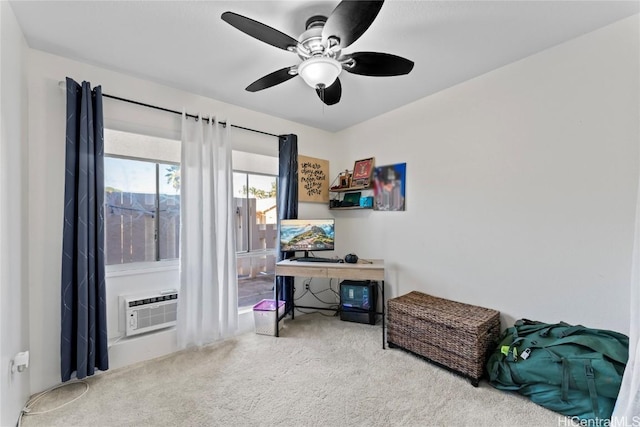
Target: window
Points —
{"points": [[256, 225], [142, 199], [142, 210]]}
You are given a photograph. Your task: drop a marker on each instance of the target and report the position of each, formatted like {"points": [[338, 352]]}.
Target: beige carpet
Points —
{"points": [[320, 372]]}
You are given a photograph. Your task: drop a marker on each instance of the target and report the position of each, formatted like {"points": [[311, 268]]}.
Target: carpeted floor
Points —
{"points": [[320, 372]]}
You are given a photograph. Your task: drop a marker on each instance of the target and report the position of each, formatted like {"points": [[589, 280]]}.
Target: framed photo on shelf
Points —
{"points": [[345, 180], [362, 170]]}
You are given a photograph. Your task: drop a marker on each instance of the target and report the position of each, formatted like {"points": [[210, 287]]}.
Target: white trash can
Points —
{"points": [[264, 316]]}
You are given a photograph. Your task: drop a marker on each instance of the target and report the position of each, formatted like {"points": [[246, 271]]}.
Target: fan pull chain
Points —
{"points": [[321, 93]]}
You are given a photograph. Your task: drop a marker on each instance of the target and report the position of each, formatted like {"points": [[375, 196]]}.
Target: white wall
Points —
{"points": [[521, 185], [46, 184], [14, 326]]}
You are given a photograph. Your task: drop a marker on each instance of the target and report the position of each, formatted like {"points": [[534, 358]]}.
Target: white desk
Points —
{"points": [[363, 270]]}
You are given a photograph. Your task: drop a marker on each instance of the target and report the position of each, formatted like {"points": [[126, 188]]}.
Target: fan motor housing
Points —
{"points": [[311, 40], [315, 21]]}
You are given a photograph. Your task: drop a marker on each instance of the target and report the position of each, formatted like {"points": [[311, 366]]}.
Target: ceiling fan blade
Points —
{"points": [[272, 79], [330, 95], [377, 64], [349, 20], [259, 30]]}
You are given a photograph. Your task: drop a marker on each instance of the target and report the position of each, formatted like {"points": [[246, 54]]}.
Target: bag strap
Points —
{"points": [[611, 344], [524, 327], [570, 331], [565, 380], [509, 384], [611, 348], [521, 322], [512, 353], [545, 332], [591, 384]]}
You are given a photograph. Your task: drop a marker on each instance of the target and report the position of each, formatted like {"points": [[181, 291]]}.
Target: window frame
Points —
{"points": [[265, 251], [157, 264], [252, 255]]}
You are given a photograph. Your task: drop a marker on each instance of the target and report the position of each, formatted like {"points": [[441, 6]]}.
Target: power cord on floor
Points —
{"points": [[27, 409]]}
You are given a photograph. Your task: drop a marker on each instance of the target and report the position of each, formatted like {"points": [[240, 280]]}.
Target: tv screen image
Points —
{"points": [[307, 235]]}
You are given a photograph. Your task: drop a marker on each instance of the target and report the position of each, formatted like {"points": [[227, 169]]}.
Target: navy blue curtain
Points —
{"points": [[287, 203], [83, 340]]}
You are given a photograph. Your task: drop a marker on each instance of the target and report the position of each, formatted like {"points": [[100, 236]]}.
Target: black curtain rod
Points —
{"points": [[180, 113]]}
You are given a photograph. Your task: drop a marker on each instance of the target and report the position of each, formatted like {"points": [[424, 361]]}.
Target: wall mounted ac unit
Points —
{"points": [[150, 312]]}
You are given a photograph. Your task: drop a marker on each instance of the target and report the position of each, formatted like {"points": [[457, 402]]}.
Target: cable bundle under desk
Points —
{"points": [[372, 270]]}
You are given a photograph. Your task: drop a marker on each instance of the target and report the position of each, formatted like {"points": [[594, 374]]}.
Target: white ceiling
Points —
{"points": [[185, 44]]}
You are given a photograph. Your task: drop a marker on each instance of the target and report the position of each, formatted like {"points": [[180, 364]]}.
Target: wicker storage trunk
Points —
{"points": [[451, 334]]}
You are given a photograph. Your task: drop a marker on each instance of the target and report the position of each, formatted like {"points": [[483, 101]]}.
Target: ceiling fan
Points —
{"points": [[320, 49]]}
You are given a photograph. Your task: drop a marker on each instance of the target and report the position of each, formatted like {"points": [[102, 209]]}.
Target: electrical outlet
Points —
{"points": [[20, 362], [306, 286]]}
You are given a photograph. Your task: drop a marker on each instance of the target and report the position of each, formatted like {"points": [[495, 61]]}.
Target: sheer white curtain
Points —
{"points": [[627, 409], [208, 299]]}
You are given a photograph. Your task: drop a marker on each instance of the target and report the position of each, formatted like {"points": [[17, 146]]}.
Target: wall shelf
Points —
{"points": [[348, 189], [345, 197], [340, 193], [346, 208]]}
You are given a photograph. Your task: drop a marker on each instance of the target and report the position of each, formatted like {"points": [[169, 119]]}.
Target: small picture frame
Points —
{"points": [[362, 170], [345, 180]]}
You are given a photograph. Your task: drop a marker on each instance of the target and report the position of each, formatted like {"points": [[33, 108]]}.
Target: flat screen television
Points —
{"points": [[307, 235]]}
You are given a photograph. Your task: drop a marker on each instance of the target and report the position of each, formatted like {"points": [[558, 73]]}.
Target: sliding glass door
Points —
{"points": [[256, 225]]}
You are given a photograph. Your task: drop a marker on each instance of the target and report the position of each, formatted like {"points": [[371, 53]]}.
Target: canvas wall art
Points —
{"points": [[313, 180], [389, 184]]}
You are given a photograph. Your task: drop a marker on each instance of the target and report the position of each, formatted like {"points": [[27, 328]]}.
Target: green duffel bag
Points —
{"points": [[573, 370]]}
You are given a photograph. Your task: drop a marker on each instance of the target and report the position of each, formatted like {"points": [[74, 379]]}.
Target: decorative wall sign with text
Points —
{"points": [[313, 180]]}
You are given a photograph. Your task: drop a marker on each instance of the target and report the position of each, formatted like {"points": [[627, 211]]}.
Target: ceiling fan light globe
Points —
{"points": [[319, 71]]}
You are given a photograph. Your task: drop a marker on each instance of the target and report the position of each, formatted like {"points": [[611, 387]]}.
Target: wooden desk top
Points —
{"points": [[360, 271]]}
